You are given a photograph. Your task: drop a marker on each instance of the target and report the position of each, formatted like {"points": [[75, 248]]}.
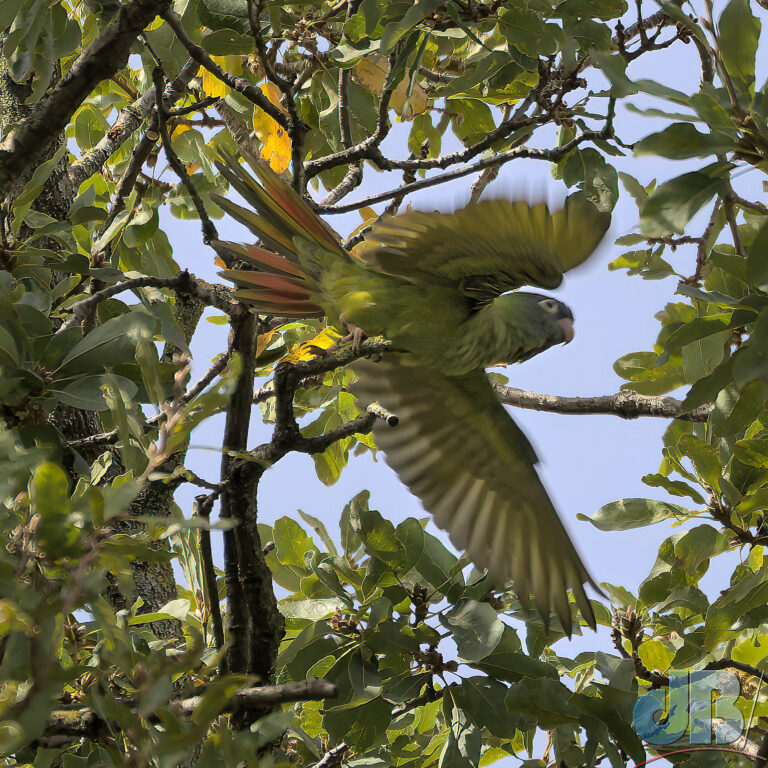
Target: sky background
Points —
{"points": [[586, 461]]}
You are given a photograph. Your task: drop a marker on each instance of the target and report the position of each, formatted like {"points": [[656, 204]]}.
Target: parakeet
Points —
{"points": [[442, 289]]}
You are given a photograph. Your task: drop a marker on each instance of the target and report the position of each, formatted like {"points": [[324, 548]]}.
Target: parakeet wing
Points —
{"points": [[488, 248], [458, 450]]}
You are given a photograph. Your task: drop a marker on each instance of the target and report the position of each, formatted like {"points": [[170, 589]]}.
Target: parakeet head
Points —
{"points": [[547, 320]]}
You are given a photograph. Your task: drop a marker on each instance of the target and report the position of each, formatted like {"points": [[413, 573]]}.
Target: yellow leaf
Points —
{"points": [[371, 73], [308, 350], [263, 340], [275, 142], [211, 84]]}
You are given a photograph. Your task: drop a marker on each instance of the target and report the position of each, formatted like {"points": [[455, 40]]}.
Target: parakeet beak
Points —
{"points": [[566, 325]]}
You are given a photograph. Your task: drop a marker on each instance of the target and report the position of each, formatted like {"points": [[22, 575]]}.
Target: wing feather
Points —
{"points": [[488, 248], [458, 450]]}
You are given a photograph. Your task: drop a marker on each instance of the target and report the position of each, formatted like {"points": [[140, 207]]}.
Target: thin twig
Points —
{"points": [[251, 92], [550, 155], [106, 438], [128, 121], [209, 228]]}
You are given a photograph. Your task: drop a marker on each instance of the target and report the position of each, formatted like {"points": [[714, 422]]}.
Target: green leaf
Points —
{"points": [[757, 264], [507, 662], [87, 392], [350, 524], [704, 457], [636, 190], [681, 141], [361, 725], [391, 637], [49, 495], [674, 203], [751, 361], [706, 390], [483, 700], [696, 547], [292, 545], [34, 187], [319, 528], [747, 594], [541, 702], [633, 513], [476, 629], [109, 344], [596, 179], [752, 452], [462, 749], [415, 13], [673, 487], [739, 36], [592, 9]]}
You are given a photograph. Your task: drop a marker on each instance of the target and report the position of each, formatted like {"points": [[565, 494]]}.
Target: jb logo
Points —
{"points": [[701, 704]]}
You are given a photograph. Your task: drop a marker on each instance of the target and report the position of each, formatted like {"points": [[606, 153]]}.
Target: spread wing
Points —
{"points": [[458, 450], [488, 248]]}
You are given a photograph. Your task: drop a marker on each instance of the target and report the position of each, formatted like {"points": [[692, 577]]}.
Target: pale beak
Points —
{"points": [[566, 324]]}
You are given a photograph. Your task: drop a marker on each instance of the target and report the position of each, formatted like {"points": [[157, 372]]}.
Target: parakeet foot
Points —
{"points": [[355, 335]]}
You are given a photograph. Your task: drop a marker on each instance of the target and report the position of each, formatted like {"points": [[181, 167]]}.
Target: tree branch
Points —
{"points": [[626, 405], [26, 143], [85, 722], [429, 695], [550, 155], [209, 228], [333, 757], [241, 85], [128, 121], [296, 127], [183, 281], [254, 624]]}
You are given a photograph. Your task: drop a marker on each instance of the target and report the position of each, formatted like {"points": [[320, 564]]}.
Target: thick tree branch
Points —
{"points": [[84, 722], [254, 624], [627, 405], [26, 143]]}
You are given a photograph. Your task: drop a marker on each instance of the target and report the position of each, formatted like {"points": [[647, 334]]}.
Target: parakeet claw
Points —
{"points": [[355, 335]]}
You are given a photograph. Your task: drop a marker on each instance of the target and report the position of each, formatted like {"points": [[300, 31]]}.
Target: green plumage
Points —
{"points": [[435, 285]]}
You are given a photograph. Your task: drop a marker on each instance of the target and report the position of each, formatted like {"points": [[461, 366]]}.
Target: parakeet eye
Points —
{"points": [[550, 305]]}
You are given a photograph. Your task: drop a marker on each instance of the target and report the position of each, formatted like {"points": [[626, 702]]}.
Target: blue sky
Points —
{"points": [[586, 461]]}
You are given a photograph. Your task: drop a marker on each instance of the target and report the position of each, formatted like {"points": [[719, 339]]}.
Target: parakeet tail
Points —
{"points": [[277, 283]]}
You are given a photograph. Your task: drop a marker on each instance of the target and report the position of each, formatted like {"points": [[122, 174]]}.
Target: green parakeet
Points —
{"points": [[437, 286]]}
